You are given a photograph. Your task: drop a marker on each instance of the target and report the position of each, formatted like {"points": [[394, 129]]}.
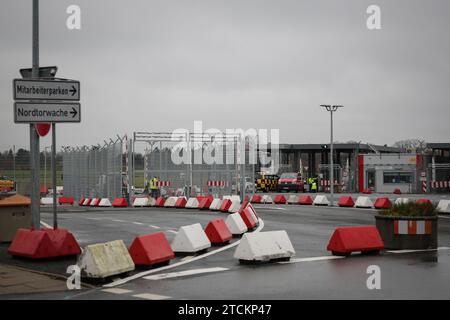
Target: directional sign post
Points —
{"points": [[38, 89], [32, 112]]}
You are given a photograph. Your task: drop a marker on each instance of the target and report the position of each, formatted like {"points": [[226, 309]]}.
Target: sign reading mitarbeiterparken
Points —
{"points": [[30, 112], [37, 89]]}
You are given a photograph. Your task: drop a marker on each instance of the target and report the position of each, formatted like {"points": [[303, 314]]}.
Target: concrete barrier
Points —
{"points": [[66, 200], [141, 202], [293, 199], [190, 239], [151, 249], [256, 198], [444, 206], [346, 201], [103, 260], [218, 232], [234, 207], [423, 201], [181, 202], [48, 201], [363, 202], [120, 202], [93, 201], [225, 205], [235, 224], [170, 202], [192, 203], [81, 201], [402, 201], [305, 200], [249, 219], [87, 201], [382, 203], [267, 199], [104, 203], [264, 247], [96, 203], [321, 201], [215, 204], [205, 204], [279, 199], [160, 202], [346, 240]]}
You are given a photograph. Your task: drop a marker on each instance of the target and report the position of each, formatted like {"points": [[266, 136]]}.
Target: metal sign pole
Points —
{"points": [[34, 137], [55, 219]]}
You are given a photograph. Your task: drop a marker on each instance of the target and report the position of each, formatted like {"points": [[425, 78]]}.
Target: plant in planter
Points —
{"points": [[409, 226]]}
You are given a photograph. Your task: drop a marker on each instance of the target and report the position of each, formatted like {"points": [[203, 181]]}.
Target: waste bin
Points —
{"points": [[15, 213]]}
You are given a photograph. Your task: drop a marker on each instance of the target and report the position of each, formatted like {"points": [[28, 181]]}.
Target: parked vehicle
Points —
{"points": [[291, 181], [266, 183]]}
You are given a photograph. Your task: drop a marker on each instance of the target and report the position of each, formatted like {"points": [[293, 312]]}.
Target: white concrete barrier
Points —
{"points": [[252, 212], [444, 206], [92, 204], [103, 260], [104, 203], [235, 205], [321, 201], [151, 201], [48, 201], [215, 204], [190, 239], [235, 223], [264, 246], [267, 199], [235, 198], [293, 199], [141, 202], [192, 203], [363, 202], [401, 201], [170, 202]]}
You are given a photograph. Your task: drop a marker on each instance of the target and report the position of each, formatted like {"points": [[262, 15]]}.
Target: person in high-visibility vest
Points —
{"points": [[154, 187], [314, 187]]}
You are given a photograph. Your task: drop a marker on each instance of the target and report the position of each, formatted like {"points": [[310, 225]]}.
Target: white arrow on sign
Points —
{"points": [[31, 112], [37, 89]]}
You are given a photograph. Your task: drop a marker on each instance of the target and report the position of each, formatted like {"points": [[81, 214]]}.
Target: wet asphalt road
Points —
{"points": [[418, 275]]}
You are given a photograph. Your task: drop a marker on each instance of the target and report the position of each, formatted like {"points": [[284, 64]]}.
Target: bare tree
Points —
{"points": [[411, 145]]}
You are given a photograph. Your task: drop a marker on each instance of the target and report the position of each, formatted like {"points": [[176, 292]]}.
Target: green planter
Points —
{"points": [[399, 233]]}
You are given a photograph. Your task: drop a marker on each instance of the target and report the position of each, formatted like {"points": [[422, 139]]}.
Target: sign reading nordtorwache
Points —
{"points": [[37, 89], [47, 112]]}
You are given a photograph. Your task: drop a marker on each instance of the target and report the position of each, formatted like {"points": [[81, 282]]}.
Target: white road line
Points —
{"points": [[93, 218], [297, 260], [117, 290], [138, 223], [150, 296], [184, 273], [117, 220], [423, 250], [46, 225], [187, 258], [172, 231], [154, 227], [145, 273]]}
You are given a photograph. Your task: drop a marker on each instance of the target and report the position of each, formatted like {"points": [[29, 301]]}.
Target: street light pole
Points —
{"points": [[331, 109]]}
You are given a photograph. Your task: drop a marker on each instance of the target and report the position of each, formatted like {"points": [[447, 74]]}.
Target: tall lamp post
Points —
{"points": [[331, 109]]}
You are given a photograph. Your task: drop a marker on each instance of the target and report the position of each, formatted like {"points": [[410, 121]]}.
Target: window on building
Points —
{"points": [[397, 177]]}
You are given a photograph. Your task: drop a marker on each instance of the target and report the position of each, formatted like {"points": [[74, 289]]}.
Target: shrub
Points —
{"points": [[411, 209]]}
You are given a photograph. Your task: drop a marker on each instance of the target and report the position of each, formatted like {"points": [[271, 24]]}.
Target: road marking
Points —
{"points": [[46, 225], [421, 250], [117, 220], [187, 258], [184, 273], [117, 290], [311, 259], [154, 227], [93, 218], [171, 266], [138, 223], [172, 231], [150, 296]]}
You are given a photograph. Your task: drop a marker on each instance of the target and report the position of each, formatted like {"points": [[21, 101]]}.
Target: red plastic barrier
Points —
{"points": [[160, 202], [382, 203], [279, 199], [218, 232], [205, 203], [226, 204], [248, 219], [45, 243], [423, 201], [346, 201], [305, 200], [181, 202], [346, 240], [151, 249], [244, 205], [397, 191], [256, 198], [65, 200], [80, 203], [367, 191], [120, 202]]}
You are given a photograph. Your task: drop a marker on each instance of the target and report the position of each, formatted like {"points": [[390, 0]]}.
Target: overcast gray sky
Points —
{"points": [[160, 65]]}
